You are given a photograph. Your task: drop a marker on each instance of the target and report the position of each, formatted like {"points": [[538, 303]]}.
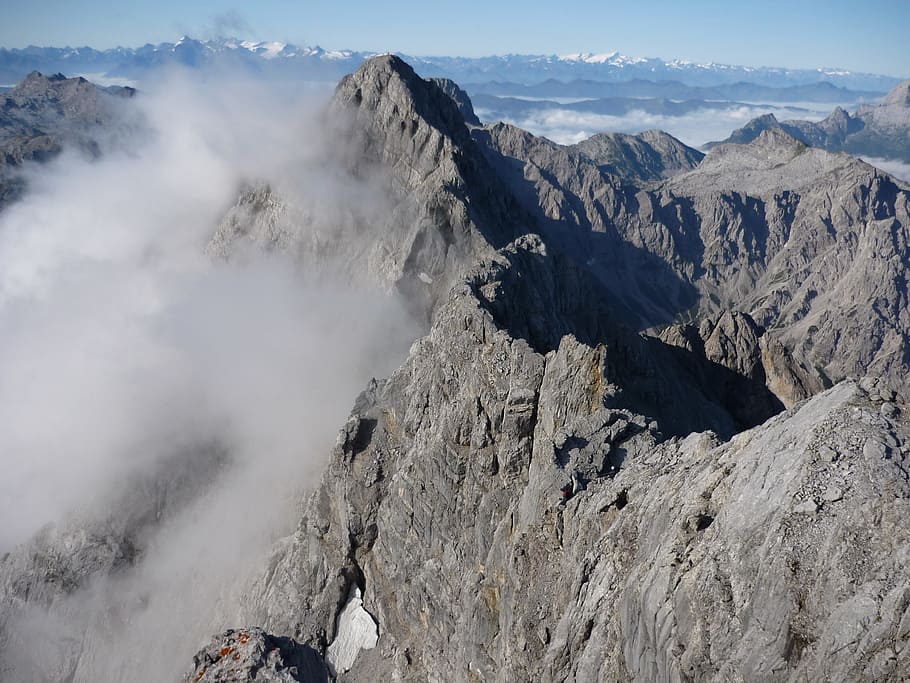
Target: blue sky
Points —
{"points": [[861, 35]]}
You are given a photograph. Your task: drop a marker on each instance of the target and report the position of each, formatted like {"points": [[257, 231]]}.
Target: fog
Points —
{"points": [[567, 127], [153, 394]]}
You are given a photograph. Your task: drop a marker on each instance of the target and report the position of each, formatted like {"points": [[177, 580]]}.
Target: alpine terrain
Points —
{"points": [[655, 427]]}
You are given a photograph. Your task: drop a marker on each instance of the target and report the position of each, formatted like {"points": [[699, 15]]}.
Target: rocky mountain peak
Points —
{"points": [[388, 86], [37, 84], [771, 148], [650, 155], [899, 95], [873, 130]]}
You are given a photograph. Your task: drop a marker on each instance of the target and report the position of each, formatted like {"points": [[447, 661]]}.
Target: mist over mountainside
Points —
{"points": [[653, 425], [162, 412]]}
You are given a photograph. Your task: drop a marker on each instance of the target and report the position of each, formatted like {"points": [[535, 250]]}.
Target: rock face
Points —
{"points": [[669, 559], [734, 341], [877, 131], [450, 88]]}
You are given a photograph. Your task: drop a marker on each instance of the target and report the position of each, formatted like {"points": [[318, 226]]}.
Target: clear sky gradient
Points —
{"points": [[860, 35]]}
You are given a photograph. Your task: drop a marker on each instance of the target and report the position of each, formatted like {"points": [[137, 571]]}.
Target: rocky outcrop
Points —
{"points": [[734, 341], [238, 656], [517, 477], [808, 243], [461, 99], [811, 245]]}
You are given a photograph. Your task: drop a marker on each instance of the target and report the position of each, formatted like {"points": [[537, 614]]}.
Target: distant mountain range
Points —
{"points": [[281, 60], [822, 91], [494, 108]]}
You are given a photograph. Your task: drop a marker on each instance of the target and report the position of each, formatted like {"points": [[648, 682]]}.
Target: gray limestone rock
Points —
{"points": [[733, 340], [445, 206], [648, 156], [749, 560], [810, 244], [541, 491], [239, 656]]}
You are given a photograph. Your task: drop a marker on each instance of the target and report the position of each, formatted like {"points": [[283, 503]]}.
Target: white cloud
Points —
{"points": [[567, 126], [898, 169], [127, 354]]}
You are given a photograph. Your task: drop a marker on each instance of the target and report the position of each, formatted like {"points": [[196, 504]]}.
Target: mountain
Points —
{"points": [[878, 131], [651, 155], [43, 113], [281, 60], [671, 557], [656, 428]]}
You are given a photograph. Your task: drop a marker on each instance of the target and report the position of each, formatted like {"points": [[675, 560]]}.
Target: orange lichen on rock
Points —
{"points": [[225, 651]]}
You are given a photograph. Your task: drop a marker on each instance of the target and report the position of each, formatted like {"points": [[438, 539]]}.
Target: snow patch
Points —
{"points": [[356, 631]]}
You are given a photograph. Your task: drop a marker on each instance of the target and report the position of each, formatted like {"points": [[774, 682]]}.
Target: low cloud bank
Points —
{"points": [[695, 129], [899, 169], [139, 372]]}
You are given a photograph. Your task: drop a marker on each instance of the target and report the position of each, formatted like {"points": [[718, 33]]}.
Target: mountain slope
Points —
{"points": [[410, 136], [670, 559], [651, 155], [809, 243]]}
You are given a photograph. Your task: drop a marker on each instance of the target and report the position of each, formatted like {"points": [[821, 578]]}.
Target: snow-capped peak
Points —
{"points": [[590, 57], [266, 50]]}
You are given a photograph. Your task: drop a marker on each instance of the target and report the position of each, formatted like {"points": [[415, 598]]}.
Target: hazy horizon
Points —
{"points": [[809, 35]]}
